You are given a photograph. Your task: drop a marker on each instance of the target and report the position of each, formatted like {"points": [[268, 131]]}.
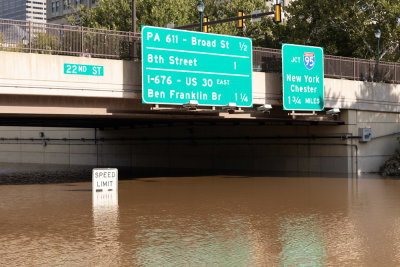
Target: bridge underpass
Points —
{"points": [[50, 118], [163, 142], [174, 144]]}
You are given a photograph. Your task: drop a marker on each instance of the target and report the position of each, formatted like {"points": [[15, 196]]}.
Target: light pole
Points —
{"points": [[200, 8], [134, 29], [378, 38]]}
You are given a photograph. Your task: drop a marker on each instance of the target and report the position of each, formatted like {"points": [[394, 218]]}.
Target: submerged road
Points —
{"points": [[205, 221]]}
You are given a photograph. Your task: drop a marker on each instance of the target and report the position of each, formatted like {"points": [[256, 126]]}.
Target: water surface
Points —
{"points": [[204, 221]]}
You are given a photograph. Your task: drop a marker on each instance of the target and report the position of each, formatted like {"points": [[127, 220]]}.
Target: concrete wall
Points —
{"points": [[194, 148], [29, 82], [43, 75], [37, 74], [17, 146], [385, 129], [202, 147], [338, 93]]}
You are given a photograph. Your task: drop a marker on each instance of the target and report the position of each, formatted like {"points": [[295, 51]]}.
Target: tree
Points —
{"points": [[226, 9], [366, 16], [109, 14], [162, 12], [116, 15], [11, 47], [343, 27], [44, 43]]}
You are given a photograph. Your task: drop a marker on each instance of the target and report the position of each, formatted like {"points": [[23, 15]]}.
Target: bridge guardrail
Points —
{"points": [[45, 38], [270, 60]]}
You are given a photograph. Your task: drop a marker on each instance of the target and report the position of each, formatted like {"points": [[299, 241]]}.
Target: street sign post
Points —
{"points": [[303, 77], [182, 66]]}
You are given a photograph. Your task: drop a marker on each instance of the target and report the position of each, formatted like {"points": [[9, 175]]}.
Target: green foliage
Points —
{"points": [[16, 48], [228, 9], [343, 27], [4, 46], [391, 167], [116, 15], [160, 13], [1, 41], [43, 41], [110, 14]]}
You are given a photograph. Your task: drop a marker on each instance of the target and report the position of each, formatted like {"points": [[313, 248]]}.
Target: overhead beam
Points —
{"points": [[252, 16]]}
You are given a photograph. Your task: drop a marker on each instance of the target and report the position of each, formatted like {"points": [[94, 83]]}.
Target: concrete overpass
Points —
{"points": [[53, 118]]}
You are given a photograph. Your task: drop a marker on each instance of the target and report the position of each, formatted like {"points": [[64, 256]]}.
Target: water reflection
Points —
{"points": [[396, 237], [194, 241], [302, 242], [207, 221], [106, 225]]}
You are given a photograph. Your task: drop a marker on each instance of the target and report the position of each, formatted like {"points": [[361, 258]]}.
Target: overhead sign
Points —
{"points": [[79, 69], [182, 66], [104, 179], [303, 77]]}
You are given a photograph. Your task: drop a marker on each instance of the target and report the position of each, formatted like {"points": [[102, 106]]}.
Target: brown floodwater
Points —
{"points": [[204, 221]]}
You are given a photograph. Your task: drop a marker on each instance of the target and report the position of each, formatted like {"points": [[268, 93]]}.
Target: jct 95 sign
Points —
{"points": [[179, 66], [303, 77]]}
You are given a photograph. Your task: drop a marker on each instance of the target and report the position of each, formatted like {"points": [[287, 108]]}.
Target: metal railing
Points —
{"points": [[270, 60], [25, 36]]}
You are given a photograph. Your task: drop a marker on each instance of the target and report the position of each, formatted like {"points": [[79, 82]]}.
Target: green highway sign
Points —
{"points": [[181, 66], [79, 69], [303, 77]]}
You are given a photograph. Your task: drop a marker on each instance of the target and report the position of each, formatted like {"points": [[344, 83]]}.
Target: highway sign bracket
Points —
{"points": [[294, 114]]}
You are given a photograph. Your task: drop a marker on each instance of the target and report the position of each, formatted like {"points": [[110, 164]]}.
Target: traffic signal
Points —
{"points": [[206, 27], [240, 22], [277, 13]]}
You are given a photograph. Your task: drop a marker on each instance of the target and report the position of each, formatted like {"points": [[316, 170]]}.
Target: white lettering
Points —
{"points": [[215, 96], [301, 89], [182, 61], [155, 58], [312, 101], [156, 94], [311, 79], [295, 60], [293, 78], [224, 44], [205, 43]]}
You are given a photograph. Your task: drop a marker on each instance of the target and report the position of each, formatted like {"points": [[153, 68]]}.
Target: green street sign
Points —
{"points": [[303, 77], [179, 67], [79, 69]]}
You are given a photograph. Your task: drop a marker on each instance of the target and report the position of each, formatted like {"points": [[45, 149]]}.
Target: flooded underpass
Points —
{"points": [[204, 221]]}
